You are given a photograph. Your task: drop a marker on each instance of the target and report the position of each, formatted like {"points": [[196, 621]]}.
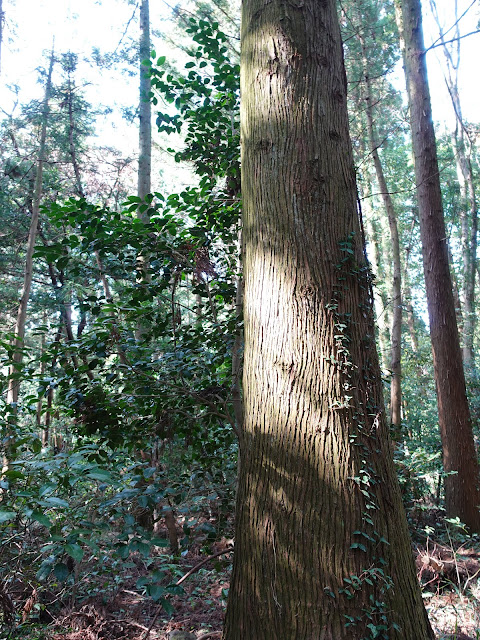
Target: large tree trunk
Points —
{"points": [[462, 494], [320, 523], [15, 367], [396, 334]]}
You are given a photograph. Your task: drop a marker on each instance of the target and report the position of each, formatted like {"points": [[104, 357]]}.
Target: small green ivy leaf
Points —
{"points": [[167, 606], [155, 591], [5, 516], [41, 518], [61, 571], [75, 551]]}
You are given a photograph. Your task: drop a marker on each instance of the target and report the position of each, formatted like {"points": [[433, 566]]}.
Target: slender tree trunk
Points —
{"points": [[15, 367], [396, 333], [145, 145], [43, 366], [1, 32], [318, 502], [411, 319], [469, 224], [380, 300], [468, 213], [455, 289], [462, 493], [145, 111], [145, 130], [408, 295], [46, 435]]}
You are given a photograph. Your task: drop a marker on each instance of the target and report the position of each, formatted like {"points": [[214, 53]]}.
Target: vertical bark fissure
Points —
{"points": [[237, 360], [462, 492]]}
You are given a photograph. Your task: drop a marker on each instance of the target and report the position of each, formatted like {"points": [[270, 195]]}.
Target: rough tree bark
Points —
{"points": [[462, 492], [318, 497]]}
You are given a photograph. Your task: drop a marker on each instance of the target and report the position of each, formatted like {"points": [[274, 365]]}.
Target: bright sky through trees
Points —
{"points": [[80, 26], [470, 51]]}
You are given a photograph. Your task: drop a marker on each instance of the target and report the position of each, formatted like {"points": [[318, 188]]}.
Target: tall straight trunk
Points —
{"points": [[145, 111], [1, 32], [45, 429], [468, 212], [321, 534], [43, 368], [145, 144], [455, 288], [407, 295], [15, 367], [376, 261], [469, 229], [396, 333], [412, 332], [462, 491]]}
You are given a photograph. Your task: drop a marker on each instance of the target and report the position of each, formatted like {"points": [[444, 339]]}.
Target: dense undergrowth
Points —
{"points": [[89, 527]]}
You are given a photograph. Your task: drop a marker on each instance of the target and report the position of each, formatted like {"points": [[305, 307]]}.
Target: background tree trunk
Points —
{"points": [[145, 144], [15, 367], [145, 110], [468, 212], [1, 32], [396, 333], [462, 494], [318, 497], [381, 304]]}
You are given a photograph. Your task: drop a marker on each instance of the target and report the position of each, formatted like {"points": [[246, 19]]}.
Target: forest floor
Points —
{"points": [[450, 577]]}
